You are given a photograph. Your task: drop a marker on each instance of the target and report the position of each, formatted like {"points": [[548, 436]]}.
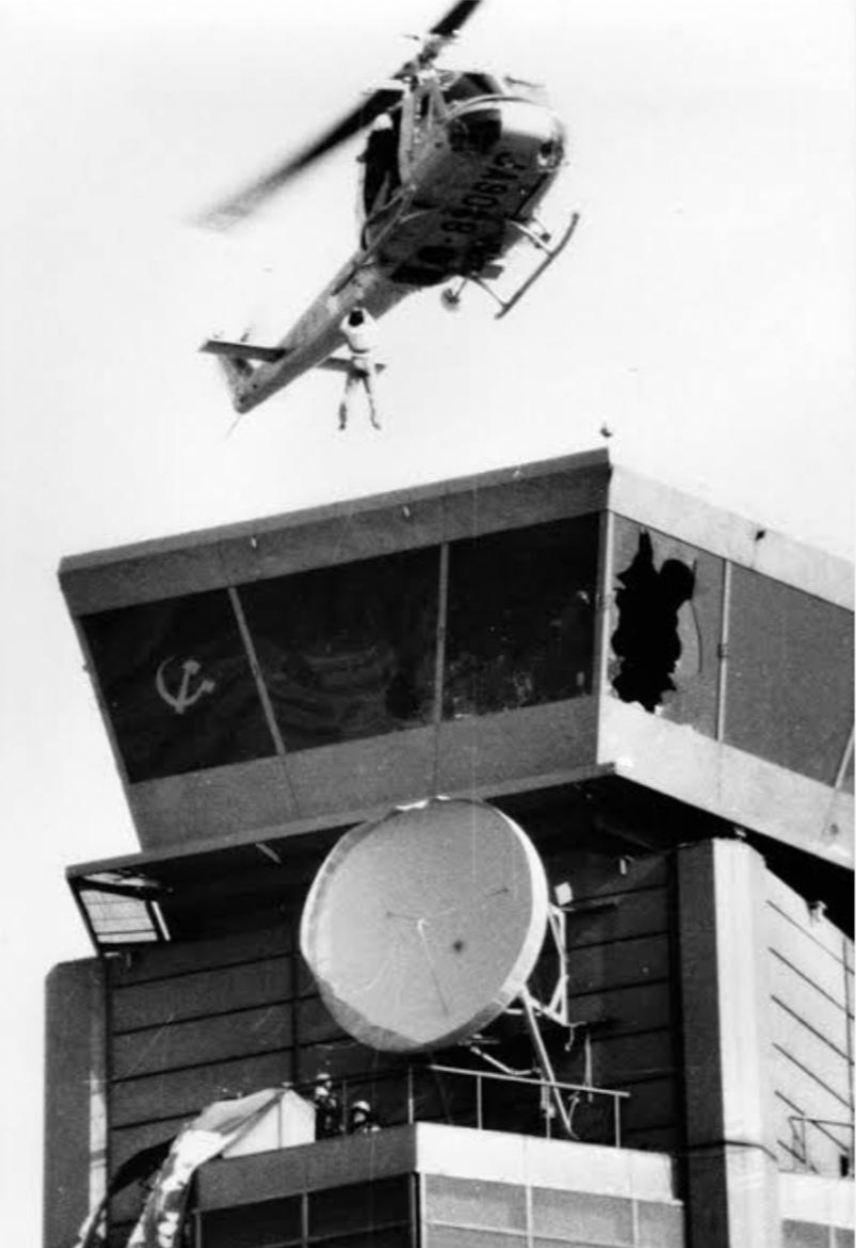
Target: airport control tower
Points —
{"points": [[555, 733]]}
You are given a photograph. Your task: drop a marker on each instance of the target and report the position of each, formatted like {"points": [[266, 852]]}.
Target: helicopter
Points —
{"points": [[455, 164]]}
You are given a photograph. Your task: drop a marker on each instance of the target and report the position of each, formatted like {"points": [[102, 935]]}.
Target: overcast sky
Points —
{"points": [[704, 311]]}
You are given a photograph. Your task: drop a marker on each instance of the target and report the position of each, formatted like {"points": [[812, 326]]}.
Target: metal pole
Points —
{"points": [[544, 1061], [479, 1101], [440, 659], [409, 1095], [722, 650]]}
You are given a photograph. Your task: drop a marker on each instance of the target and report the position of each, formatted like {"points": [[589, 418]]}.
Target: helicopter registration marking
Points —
{"points": [[484, 197]]}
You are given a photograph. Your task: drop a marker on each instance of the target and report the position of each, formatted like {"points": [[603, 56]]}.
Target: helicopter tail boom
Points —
{"points": [[242, 350], [239, 362]]}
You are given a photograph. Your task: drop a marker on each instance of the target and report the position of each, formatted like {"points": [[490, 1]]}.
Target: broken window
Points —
{"points": [[647, 642]]}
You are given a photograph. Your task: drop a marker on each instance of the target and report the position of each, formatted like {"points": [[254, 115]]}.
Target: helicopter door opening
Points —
{"points": [[381, 176]]}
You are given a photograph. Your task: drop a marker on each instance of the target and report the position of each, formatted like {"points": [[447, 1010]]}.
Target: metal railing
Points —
{"points": [[822, 1145], [480, 1099], [575, 1095]]}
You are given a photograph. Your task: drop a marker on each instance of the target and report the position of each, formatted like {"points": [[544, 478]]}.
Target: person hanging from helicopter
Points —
{"points": [[360, 335], [454, 167]]}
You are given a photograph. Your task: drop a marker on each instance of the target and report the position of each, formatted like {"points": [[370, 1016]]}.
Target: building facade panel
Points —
{"points": [[194, 1021], [76, 1099], [252, 724], [790, 676], [654, 692], [812, 1034]]}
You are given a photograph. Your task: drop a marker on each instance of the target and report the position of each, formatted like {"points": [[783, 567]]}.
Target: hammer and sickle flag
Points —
{"points": [[177, 684]]}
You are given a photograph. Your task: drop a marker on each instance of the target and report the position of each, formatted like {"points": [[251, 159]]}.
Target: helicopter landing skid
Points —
{"points": [[452, 298]]}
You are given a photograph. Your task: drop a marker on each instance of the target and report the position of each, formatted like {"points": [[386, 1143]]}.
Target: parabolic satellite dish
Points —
{"points": [[424, 926]]}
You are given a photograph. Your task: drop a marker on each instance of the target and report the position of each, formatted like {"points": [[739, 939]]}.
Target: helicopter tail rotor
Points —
{"points": [[238, 207]]}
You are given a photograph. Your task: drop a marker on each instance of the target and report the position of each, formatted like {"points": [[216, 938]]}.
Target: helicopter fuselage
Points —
{"points": [[448, 187]]}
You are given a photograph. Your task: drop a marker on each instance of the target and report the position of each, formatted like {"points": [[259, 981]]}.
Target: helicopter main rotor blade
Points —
{"points": [[455, 18], [245, 202], [439, 35]]}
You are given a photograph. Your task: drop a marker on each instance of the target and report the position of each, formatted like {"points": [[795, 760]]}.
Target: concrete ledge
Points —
{"points": [[431, 1148], [306, 1168], [758, 795], [814, 1198], [731, 536], [560, 1164]]}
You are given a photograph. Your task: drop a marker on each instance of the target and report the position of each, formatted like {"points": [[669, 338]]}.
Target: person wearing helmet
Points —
{"points": [[328, 1110], [361, 1120], [359, 330]]}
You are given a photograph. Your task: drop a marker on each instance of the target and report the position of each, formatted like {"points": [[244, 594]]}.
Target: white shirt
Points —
{"points": [[361, 339]]}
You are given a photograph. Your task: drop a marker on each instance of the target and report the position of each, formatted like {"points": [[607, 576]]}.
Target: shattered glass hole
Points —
{"points": [[647, 642]]}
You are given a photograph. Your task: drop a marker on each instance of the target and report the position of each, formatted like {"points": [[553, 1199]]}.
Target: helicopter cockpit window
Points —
{"points": [[523, 90], [461, 87]]}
